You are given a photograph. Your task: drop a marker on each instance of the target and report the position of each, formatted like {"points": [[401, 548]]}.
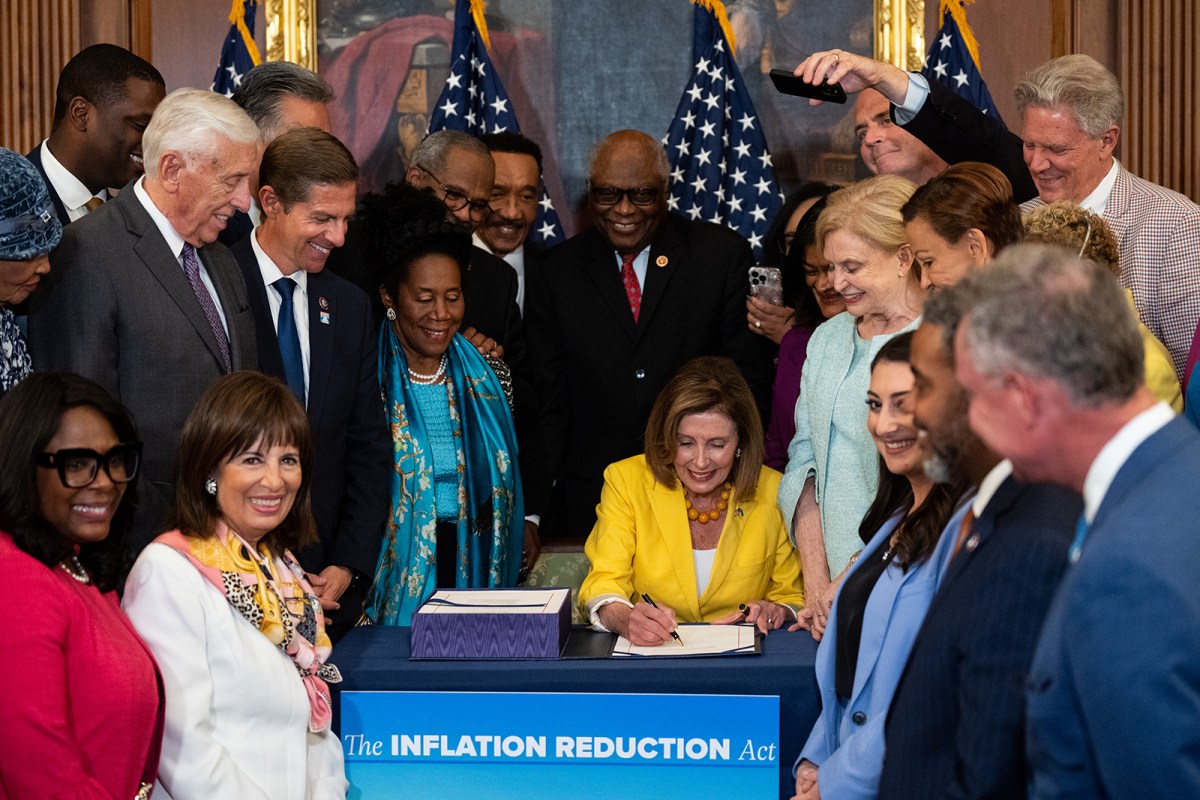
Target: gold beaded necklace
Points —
{"points": [[705, 517]]}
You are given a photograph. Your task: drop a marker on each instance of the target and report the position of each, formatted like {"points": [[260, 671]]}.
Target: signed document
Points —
{"points": [[698, 640]]}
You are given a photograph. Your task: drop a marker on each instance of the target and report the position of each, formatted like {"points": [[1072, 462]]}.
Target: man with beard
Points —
{"points": [[955, 728]]}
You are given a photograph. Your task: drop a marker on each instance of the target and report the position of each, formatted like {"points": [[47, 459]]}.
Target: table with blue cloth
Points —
{"points": [[376, 659]]}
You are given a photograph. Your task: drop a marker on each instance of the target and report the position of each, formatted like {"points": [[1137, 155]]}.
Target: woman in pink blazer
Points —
{"points": [[82, 699]]}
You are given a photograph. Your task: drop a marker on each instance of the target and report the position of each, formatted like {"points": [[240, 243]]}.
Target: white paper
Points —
{"points": [[698, 640], [496, 601]]}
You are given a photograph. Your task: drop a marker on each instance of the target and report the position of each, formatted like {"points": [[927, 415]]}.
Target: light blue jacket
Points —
{"points": [[846, 742], [845, 493]]}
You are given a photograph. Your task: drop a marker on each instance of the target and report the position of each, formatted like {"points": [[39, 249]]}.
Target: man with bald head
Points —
{"points": [[888, 149], [614, 312]]}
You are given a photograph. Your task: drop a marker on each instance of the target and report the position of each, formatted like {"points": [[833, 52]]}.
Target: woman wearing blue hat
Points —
{"points": [[29, 230]]}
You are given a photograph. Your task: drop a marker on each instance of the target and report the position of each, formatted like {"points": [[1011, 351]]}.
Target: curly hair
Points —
{"points": [[1077, 229], [404, 223], [30, 416]]}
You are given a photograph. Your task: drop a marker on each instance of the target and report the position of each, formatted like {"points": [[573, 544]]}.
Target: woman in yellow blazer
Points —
{"points": [[693, 522]]}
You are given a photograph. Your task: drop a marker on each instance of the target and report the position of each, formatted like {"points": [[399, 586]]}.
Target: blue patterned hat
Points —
{"points": [[28, 225]]}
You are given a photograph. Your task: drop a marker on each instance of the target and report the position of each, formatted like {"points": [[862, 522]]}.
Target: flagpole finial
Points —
{"points": [[718, 10]]}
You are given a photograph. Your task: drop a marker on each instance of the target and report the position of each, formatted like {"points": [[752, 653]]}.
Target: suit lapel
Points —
{"points": [[1176, 434], [603, 269], [322, 299], [269, 360], [1117, 208], [982, 528], [667, 505], [666, 254], [59, 209], [164, 265]]}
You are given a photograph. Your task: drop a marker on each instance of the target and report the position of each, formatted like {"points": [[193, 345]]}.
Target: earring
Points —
{"points": [[737, 453], [210, 486], [391, 314]]}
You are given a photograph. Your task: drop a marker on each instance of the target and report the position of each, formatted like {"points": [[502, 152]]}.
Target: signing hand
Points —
{"points": [[644, 625], [854, 73], [485, 344], [769, 320]]}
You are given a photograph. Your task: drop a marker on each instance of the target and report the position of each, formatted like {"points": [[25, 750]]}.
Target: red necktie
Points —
{"points": [[632, 290]]}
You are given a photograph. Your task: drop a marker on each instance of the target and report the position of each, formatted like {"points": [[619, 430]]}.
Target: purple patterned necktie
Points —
{"points": [[191, 267]]}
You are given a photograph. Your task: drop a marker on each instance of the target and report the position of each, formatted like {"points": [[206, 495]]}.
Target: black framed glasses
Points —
{"points": [[77, 467], [455, 200], [611, 195], [784, 242]]}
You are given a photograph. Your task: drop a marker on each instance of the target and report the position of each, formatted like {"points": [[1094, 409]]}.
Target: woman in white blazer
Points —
{"points": [[883, 599], [228, 614]]}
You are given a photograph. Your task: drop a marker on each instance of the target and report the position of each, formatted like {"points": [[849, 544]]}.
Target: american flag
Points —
{"points": [[239, 54], [721, 168], [953, 58], [474, 101]]}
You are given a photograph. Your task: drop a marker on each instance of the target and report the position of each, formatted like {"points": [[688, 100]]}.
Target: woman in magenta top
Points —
{"points": [[808, 289], [83, 709]]}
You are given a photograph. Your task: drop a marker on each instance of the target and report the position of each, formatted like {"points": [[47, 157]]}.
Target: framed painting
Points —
{"points": [[576, 71]]}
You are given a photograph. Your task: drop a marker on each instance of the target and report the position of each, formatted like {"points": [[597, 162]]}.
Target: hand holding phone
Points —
{"points": [[766, 283]]}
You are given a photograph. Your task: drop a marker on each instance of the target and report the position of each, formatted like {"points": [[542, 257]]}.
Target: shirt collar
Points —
{"points": [[1113, 455], [71, 191], [988, 486], [270, 270], [173, 239], [1097, 201]]}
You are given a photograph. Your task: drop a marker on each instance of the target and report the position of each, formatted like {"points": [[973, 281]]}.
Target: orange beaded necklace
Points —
{"points": [[705, 517]]}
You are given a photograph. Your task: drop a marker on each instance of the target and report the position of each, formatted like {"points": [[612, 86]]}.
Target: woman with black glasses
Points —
{"points": [[83, 709]]}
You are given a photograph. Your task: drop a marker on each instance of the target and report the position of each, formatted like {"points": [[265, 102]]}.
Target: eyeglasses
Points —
{"points": [[611, 195], [78, 467], [784, 242], [456, 200]]}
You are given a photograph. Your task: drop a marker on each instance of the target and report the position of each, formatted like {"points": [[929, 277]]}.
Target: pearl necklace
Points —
{"points": [[705, 517], [72, 566], [436, 377]]}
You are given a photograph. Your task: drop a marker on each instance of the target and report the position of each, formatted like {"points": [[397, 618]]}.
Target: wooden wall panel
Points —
{"points": [[28, 72], [1157, 43]]}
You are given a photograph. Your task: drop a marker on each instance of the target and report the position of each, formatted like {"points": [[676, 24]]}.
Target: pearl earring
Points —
{"points": [[391, 314], [210, 486]]}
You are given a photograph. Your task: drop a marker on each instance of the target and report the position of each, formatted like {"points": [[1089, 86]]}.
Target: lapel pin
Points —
{"points": [[323, 303], [972, 542], [661, 261], [324, 317]]}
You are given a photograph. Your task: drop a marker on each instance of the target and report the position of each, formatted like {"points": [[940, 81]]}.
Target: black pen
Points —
{"points": [[674, 635]]}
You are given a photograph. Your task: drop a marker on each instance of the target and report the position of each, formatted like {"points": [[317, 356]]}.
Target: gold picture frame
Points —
{"points": [[899, 32]]}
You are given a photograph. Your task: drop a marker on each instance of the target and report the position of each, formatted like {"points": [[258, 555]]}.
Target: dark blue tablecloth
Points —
{"points": [[376, 659]]}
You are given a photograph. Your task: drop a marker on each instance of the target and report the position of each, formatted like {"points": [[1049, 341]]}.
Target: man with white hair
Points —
{"points": [[141, 298], [1113, 693], [1071, 110]]}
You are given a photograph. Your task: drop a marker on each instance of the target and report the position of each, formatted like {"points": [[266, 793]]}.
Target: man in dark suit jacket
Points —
{"points": [[598, 364], [1113, 695], [956, 723], [141, 298], [104, 100], [309, 180]]}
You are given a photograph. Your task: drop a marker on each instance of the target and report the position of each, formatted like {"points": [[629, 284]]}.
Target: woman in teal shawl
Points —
{"points": [[456, 515]]}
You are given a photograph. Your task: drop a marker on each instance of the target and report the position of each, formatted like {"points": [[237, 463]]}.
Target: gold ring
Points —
{"points": [[837, 58]]}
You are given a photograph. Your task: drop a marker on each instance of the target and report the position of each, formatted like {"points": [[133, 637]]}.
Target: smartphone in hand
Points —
{"points": [[766, 283], [787, 83]]}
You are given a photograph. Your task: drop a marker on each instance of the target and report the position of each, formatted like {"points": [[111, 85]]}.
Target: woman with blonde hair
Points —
{"points": [[831, 474], [1078, 229]]}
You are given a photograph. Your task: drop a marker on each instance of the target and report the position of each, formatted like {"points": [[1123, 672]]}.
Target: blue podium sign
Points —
{"points": [[583, 746]]}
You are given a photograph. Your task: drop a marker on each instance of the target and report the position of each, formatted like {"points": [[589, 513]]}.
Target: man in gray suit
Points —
{"points": [[140, 297]]}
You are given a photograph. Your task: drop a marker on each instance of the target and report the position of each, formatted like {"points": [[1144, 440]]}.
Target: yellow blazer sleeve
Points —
{"points": [[641, 544]]}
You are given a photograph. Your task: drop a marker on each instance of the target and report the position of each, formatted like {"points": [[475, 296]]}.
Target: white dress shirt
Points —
{"points": [[70, 190], [176, 242], [271, 273]]}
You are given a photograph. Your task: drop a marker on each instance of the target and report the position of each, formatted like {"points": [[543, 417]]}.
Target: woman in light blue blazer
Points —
{"points": [[883, 599]]}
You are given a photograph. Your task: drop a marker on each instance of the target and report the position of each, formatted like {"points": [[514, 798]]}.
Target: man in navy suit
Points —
{"points": [[316, 332], [515, 193], [102, 104], [955, 727], [1052, 362]]}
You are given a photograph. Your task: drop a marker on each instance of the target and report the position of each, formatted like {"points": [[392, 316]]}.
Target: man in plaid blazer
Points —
{"points": [[1071, 110]]}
